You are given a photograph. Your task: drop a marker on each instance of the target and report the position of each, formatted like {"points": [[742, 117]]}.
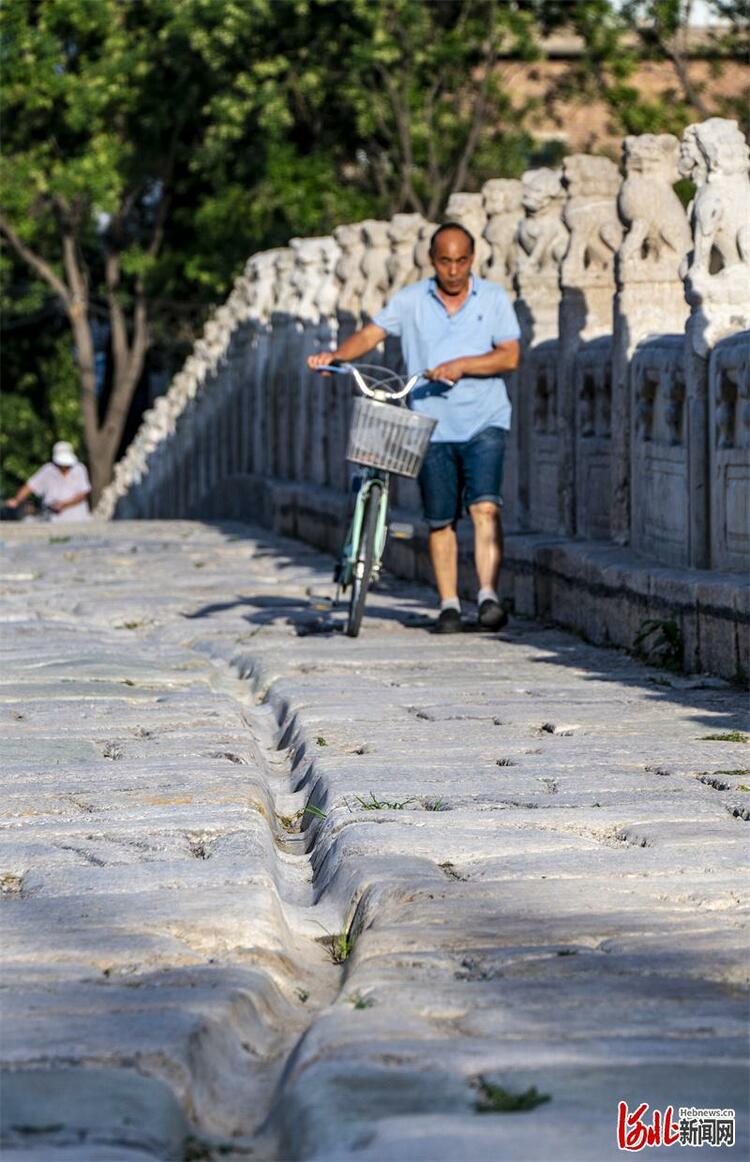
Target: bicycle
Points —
{"points": [[384, 438]]}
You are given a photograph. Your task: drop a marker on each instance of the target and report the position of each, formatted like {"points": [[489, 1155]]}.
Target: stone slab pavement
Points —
{"points": [[271, 893]]}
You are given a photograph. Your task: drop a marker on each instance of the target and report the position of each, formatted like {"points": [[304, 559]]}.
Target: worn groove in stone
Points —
{"points": [[535, 854]]}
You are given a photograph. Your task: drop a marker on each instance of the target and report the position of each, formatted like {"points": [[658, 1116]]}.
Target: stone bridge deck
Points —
{"points": [[272, 893]]}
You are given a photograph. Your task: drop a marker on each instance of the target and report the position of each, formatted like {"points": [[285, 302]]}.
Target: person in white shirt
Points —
{"points": [[62, 485]]}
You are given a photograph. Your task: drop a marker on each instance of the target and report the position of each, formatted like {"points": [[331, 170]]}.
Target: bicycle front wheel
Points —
{"points": [[365, 559]]}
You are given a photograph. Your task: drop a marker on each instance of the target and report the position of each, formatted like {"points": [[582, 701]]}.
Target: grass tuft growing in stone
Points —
{"points": [[357, 1001], [374, 804], [292, 823], [340, 947], [495, 1099], [724, 736]]}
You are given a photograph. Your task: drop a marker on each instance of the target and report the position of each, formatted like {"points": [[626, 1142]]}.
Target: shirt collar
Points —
{"points": [[432, 289]]}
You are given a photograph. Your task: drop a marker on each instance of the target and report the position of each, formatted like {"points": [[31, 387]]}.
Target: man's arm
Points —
{"points": [[352, 348], [503, 357], [23, 494], [59, 505]]}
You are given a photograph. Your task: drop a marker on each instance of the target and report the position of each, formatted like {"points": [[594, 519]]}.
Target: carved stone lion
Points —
{"points": [[717, 275], [327, 294], [313, 277], [403, 233], [349, 267], [502, 204], [284, 293], [590, 214], [658, 236], [375, 265], [541, 235], [690, 162], [261, 272], [468, 210], [422, 264]]}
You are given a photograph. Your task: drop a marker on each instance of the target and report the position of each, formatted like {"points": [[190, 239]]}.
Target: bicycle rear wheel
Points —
{"points": [[365, 558]]}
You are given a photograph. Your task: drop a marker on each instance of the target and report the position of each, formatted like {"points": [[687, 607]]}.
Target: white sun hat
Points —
{"points": [[63, 454]]}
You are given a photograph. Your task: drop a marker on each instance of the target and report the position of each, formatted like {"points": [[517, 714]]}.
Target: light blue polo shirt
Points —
{"points": [[430, 335]]}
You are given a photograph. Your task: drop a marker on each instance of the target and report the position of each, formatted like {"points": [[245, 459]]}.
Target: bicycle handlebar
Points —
{"points": [[350, 369]]}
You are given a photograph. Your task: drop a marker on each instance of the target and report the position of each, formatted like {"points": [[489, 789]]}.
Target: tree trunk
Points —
{"points": [[85, 357], [102, 440]]}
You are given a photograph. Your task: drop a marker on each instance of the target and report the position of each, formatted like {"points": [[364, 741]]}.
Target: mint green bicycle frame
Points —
{"points": [[359, 565], [350, 551]]}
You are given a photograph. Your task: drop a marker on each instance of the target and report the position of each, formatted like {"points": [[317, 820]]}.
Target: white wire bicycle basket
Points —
{"points": [[391, 438]]}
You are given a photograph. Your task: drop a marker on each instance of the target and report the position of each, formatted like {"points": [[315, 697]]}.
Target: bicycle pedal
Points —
{"points": [[401, 531]]}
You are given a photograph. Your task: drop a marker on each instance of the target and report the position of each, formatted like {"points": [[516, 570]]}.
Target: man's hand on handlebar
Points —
{"points": [[450, 371], [322, 359]]}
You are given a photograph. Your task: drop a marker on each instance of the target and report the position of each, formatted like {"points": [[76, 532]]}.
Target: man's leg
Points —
{"points": [[439, 483], [488, 546], [482, 460], [443, 548]]}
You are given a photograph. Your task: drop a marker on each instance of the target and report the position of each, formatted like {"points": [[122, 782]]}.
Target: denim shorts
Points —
{"points": [[457, 474]]}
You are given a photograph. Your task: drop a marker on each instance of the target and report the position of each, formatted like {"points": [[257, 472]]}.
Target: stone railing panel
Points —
{"points": [[543, 443], [660, 505], [593, 386], [729, 452], [587, 281]]}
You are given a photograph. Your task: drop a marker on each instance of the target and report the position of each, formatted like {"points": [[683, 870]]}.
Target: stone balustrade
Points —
{"points": [[631, 407]]}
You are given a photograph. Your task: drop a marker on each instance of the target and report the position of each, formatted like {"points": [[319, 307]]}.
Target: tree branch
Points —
{"points": [[433, 166], [38, 264], [692, 95], [117, 322], [399, 108], [479, 113]]}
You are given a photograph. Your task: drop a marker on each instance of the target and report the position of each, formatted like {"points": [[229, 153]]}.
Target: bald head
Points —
{"points": [[452, 255]]}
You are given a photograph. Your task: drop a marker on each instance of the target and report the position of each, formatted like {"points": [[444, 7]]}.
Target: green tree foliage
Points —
{"points": [[149, 147], [616, 39], [432, 111], [43, 405]]}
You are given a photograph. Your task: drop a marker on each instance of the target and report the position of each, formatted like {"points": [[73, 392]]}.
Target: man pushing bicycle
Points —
{"points": [[463, 329]]}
